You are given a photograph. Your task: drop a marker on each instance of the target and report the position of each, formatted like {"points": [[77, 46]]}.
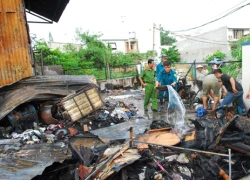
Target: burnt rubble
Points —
{"points": [[109, 138]]}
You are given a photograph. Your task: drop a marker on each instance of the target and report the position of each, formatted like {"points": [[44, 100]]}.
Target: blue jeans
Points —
{"points": [[230, 98], [161, 93]]}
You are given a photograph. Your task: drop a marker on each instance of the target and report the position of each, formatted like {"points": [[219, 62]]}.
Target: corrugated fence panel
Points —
{"points": [[15, 60]]}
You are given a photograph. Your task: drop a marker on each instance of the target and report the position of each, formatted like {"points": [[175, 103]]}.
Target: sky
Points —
{"points": [[115, 18]]}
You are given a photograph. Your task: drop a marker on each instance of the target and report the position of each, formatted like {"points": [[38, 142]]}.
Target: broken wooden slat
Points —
{"points": [[190, 137], [163, 138], [75, 152], [158, 130]]}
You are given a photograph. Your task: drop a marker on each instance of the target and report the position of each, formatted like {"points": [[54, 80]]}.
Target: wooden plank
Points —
{"points": [[190, 137], [159, 130], [163, 138]]}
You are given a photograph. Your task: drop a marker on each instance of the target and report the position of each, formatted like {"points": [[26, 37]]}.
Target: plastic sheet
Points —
{"points": [[176, 108], [176, 112]]}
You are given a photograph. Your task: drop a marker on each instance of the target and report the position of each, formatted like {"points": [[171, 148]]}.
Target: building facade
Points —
{"points": [[200, 46]]}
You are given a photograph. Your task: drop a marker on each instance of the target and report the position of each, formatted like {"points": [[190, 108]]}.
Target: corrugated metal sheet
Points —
{"points": [[51, 9], [15, 60], [41, 88]]}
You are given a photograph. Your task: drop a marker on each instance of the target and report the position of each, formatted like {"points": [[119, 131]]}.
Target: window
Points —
{"points": [[237, 34]]}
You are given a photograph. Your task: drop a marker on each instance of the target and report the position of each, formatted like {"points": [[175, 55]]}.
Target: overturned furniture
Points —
{"points": [[79, 105]]}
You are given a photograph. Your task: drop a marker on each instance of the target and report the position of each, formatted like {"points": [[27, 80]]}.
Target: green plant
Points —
{"points": [[165, 38], [218, 54], [172, 53], [236, 47]]}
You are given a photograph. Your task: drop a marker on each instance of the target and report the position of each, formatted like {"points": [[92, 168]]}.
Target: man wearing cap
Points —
{"points": [[166, 76], [200, 73], [147, 79]]}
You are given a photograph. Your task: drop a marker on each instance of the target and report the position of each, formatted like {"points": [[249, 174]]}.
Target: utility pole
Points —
{"points": [[153, 40]]}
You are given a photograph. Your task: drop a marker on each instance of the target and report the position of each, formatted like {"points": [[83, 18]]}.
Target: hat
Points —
{"points": [[164, 56], [199, 66]]}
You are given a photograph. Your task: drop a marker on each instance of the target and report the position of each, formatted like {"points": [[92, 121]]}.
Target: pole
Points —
{"points": [[153, 40], [129, 42], [230, 170], [42, 66], [185, 149]]}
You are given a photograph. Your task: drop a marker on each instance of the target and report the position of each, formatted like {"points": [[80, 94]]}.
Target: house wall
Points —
{"points": [[231, 36], [196, 47], [245, 70], [15, 58], [120, 45]]}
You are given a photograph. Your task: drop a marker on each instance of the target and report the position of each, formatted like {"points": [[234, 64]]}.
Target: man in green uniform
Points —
{"points": [[147, 78]]}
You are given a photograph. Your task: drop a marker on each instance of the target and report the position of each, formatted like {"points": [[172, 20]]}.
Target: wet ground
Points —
{"points": [[137, 98]]}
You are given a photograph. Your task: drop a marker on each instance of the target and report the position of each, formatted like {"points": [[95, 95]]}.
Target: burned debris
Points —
{"points": [[87, 135]]}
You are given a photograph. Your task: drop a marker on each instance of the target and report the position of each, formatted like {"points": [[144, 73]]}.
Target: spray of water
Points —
{"points": [[176, 112]]}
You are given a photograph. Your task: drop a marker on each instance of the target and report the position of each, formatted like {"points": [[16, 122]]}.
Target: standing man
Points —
{"points": [[166, 76], [200, 73], [235, 91], [205, 69], [210, 86], [147, 79], [160, 66]]}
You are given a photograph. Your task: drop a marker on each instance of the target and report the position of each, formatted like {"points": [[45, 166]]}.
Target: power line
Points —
{"points": [[198, 39], [230, 8], [202, 41], [227, 14]]}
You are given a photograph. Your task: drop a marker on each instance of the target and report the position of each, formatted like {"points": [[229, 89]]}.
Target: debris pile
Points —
{"points": [[80, 136]]}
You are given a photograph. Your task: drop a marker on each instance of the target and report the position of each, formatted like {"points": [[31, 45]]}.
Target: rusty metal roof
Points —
{"points": [[40, 88], [51, 9], [15, 60]]}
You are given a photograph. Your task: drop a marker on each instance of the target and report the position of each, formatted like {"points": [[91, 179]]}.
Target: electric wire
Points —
{"points": [[229, 9], [227, 14], [198, 39]]}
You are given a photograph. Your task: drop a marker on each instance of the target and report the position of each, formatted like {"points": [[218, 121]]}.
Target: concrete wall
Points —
{"points": [[61, 45], [50, 70], [245, 70], [196, 48], [126, 82]]}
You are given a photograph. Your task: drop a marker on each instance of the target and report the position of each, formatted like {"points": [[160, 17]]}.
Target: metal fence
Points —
{"points": [[232, 68], [113, 72], [123, 71]]}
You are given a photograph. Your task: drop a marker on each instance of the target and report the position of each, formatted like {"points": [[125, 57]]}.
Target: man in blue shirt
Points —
{"points": [[166, 76], [160, 66]]}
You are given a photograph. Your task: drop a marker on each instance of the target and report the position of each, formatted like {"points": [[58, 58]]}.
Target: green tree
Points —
{"points": [[150, 54], [95, 50], [236, 48], [172, 53], [218, 54], [165, 38]]}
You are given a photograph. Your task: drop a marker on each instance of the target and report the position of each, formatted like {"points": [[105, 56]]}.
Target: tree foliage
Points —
{"points": [[218, 54], [236, 47], [172, 54], [89, 53], [165, 38]]}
